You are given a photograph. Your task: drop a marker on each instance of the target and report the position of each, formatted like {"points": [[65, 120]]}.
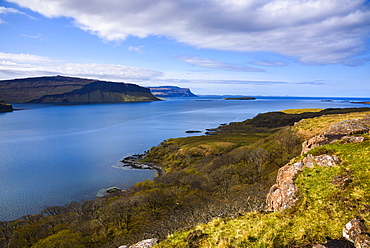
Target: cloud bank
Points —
{"points": [[311, 31], [32, 65]]}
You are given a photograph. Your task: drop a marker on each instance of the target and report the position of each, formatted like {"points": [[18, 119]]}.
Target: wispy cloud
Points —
{"points": [[240, 82], [212, 64], [269, 63], [32, 65], [5, 11], [310, 31], [138, 49]]}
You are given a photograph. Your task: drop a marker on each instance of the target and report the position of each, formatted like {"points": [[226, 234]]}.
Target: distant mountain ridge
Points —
{"points": [[171, 91], [61, 89]]}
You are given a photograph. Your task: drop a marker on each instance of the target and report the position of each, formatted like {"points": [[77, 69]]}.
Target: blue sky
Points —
{"points": [[236, 47]]}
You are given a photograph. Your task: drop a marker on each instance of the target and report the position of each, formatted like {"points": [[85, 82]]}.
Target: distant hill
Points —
{"points": [[171, 91], [60, 89]]}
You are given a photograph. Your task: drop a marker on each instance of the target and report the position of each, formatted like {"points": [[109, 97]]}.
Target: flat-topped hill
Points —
{"points": [[171, 91], [60, 89]]}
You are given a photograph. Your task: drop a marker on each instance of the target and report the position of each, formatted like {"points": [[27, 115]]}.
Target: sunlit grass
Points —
{"points": [[300, 111], [322, 209]]}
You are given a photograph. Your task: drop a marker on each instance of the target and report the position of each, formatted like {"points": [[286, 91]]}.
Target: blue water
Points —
{"points": [[55, 154]]}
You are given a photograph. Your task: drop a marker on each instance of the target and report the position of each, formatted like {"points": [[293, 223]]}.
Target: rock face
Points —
{"points": [[171, 91], [283, 194], [5, 107], [61, 89]]}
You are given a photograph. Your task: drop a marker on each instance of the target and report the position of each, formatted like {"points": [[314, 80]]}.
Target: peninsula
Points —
{"points": [[61, 89]]}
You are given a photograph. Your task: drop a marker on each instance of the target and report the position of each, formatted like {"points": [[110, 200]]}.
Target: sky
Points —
{"points": [[214, 47]]}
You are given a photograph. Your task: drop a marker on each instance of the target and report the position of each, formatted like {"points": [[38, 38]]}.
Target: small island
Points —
{"points": [[240, 98], [361, 102]]}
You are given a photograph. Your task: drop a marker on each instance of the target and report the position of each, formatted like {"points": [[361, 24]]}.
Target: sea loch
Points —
{"points": [[55, 154]]}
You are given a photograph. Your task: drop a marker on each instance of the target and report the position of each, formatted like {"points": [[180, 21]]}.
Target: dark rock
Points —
{"points": [[5, 107], [113, 190], [193, 131], [335, 243], [240, 98]]}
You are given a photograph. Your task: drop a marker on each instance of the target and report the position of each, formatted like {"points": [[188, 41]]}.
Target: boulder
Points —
{"points": [[339, 131], [147, 243], [313, 142], [282, 195], [357, 232], [347, 127]]}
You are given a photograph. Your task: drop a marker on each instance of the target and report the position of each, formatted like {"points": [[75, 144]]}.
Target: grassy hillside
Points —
{"points": [[60, 89], [322, 210], [216, 183]]}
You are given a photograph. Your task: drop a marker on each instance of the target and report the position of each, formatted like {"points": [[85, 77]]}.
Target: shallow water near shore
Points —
{"points": [[55, 154]]}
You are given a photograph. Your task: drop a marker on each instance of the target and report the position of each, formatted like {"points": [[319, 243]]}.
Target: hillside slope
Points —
{"points": [[214, 187], [328, 197], [59, 89]]}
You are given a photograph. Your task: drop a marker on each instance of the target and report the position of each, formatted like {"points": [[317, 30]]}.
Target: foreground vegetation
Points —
{"points": [[323, 208], [220, 179]]}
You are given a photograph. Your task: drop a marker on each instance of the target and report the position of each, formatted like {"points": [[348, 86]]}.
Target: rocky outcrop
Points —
{"points": [[357, 232], [339, 131], [355, 235], [283, 194], [5, 107], [148, 243], [171, 91], [61, 89]]}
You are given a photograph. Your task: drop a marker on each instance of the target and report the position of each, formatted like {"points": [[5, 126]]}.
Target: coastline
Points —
{"points": [[135, 162]]}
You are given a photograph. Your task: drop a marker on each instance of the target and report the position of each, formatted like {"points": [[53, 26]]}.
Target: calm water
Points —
{"points": [[52, 155]]}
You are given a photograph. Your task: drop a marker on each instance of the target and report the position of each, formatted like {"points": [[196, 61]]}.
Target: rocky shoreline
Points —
{"points": [[135, 162]]}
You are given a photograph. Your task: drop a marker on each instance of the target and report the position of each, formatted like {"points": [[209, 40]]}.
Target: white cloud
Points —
{"points": [[312, 31], [26, 65], [4, 11], [218, 65], [138, 49]]}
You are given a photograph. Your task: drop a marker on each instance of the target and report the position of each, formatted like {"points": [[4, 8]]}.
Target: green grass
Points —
{"points": [[300, 111], [322, 210]]}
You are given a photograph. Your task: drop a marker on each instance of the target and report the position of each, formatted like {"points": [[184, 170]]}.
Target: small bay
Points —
{"points": [[54, 154]]}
